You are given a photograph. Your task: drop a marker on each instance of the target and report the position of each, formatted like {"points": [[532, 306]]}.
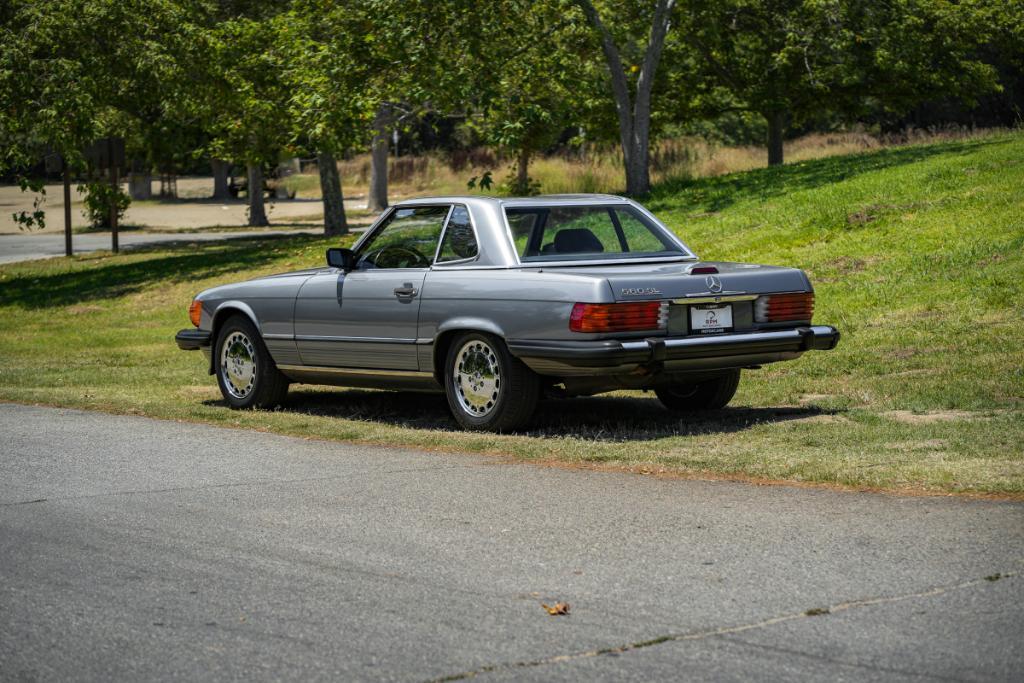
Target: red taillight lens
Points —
{"points": [[633, 316], [703, 270], [784, 307], [195, 310]]}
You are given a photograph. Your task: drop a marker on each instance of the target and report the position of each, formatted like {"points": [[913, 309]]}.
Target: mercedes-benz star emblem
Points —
{"points": [[714, 284]]}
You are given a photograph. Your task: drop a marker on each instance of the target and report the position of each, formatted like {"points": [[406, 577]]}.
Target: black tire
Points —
{"points": [[260, 386], [710, 394], [482, 400]]}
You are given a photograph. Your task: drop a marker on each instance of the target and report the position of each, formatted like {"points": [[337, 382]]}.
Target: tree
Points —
{"points": [[330, 58], [789, 60], [440, 56], [529, 86], [246, 97], [74, 70], [633, 100]]}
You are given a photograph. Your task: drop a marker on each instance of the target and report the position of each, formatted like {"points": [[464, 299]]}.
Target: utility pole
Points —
{"points": [[114, 189], [56, 162], [67, 210]]}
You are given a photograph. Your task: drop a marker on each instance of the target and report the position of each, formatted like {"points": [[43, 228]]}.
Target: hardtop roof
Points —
{"points": [[540, 200]]}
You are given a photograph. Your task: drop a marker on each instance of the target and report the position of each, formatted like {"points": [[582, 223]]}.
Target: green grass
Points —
{"points": [[916, 254]]}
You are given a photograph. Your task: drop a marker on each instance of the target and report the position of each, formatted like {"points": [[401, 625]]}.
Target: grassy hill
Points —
{"points": [[916, 254]]}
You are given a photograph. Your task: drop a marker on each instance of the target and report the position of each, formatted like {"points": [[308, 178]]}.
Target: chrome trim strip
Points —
{"points": [[355, 371], [703, 298], [285, 337], [371, 340]]}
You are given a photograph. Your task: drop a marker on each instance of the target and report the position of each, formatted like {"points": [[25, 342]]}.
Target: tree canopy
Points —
{"points": [[251, 82]]}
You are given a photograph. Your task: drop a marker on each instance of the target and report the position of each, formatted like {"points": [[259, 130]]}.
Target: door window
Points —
{"points": [[407, 240]]}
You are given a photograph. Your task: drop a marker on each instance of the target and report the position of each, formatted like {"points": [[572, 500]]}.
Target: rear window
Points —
{"points": [[561, 233]]}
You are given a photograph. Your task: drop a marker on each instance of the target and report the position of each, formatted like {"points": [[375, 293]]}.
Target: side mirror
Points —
{"points": [[345, 259]]}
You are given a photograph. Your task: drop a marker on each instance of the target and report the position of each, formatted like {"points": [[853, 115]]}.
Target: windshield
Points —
{"points": [[564, 233]]}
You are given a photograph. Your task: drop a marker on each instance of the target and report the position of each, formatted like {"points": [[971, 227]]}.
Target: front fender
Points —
{"points": [[226, 308], [221, 312]]}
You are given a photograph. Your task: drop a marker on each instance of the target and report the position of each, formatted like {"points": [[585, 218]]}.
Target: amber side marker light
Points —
{"points": [[195, 310], [632, 316], [777, 308]]}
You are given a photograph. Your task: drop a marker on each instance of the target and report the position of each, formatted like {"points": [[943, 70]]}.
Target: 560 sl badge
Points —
{"points": [[640, 291]]}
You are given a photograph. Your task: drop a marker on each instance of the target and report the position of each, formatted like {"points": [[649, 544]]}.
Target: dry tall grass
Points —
{"points": [[598, 168]]}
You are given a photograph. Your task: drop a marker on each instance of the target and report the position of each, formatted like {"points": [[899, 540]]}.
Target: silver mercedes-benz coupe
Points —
{"points": [[499, 301]]}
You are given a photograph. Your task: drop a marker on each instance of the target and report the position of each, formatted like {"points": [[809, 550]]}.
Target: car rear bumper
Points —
{"points": [[673, 353], [192, 340]]}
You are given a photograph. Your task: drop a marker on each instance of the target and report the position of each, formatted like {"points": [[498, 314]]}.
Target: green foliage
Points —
{"points": [[99, 196], [37, 217], [806, 57], [244, 81], [485, 182], [331, 60]]}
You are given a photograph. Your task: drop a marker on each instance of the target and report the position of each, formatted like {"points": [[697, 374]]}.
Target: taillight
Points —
{"points": [[632, 316], [704, 270], [195, 311], [776, 308]]}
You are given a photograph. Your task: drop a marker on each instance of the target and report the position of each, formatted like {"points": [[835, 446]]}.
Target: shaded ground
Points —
{"points": [[32, 246]]}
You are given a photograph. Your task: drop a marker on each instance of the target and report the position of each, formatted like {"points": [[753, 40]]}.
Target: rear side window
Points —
{"points": [[560, 233], [459, 241]]}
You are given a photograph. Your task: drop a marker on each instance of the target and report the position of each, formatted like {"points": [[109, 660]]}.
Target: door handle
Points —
{"points": [[406, 290]]}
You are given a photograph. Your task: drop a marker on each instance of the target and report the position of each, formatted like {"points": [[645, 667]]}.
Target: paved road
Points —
{"points": [[133, 549], [28, 247]]}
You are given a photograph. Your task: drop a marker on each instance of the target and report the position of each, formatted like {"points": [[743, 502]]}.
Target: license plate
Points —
{"points": [[711, 318]]}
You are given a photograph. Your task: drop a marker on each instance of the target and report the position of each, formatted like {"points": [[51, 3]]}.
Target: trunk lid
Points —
{"points": [[674, 280]]}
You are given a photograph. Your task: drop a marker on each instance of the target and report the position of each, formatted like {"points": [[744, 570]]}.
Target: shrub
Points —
{"points": [[98, 198]]}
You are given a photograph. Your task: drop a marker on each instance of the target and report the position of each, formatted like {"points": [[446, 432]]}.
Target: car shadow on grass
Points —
{"points": [[606, 418]]}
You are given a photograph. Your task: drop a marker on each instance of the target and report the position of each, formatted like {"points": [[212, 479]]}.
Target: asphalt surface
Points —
{"points": [[133, 549], [29, 246]]}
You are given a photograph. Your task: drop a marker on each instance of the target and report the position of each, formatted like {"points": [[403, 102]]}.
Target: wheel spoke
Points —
{"points": [[477, 378], [238, 364]]}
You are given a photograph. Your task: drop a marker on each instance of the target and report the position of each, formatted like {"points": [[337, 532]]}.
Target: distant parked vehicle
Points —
{"points": [[497, 302], [240, 186]]}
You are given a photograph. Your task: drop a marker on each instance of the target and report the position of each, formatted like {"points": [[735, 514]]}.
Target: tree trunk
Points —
{"points": [[378, 196], [330, 190], [522, 172], [638, 172], [776, 129], [257, 212], [140, 185], [220, 170], [634, 115]]}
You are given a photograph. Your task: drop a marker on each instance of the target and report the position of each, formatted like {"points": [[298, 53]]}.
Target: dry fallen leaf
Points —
{"points": [[557, 609]]}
